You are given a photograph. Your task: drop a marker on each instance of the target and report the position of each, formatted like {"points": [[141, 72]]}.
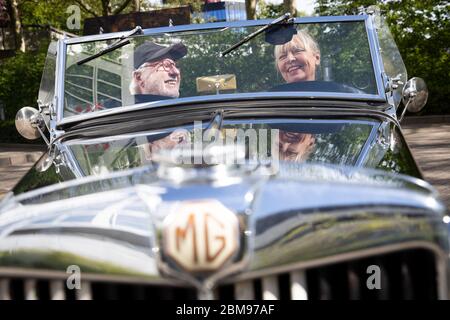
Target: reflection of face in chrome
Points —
{"points": [[160, 77], [298, 59], [294, 146]]}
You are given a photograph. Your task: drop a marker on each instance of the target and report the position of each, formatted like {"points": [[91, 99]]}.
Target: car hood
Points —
{"points": [[303, 214]]}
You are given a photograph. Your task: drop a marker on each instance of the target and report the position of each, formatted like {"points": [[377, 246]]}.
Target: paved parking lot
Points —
{"points": [[15, 161], [430, 144]]}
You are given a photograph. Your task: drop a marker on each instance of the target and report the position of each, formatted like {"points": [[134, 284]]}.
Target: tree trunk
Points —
{"points": [[136, 5], [17, 29], [250, 8], [290, 6], [106, 8]]}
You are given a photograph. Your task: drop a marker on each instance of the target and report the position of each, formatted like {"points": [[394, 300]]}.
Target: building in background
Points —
{"points": [[224, 10]]}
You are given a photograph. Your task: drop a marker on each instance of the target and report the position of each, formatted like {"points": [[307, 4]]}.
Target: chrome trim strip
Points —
{"points": [[367, 146], [375, 54], [61, 68], [224, 98], [441, 263], [67, 153]]}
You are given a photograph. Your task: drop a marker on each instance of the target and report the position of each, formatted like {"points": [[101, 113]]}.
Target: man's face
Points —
{"points": [[295, 146], [160, 77]]}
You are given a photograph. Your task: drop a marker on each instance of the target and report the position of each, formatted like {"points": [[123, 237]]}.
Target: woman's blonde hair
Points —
{"points": [[303, 37]]}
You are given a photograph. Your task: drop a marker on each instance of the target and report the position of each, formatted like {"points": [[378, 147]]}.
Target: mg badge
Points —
{"points": [[201, 235]]}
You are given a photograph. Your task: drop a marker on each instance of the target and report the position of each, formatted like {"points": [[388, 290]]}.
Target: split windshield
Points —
{"points": [[320, 57]]}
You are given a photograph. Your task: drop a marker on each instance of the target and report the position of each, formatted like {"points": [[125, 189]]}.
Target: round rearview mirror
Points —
{"points": [[415, 94], [27, 121]]}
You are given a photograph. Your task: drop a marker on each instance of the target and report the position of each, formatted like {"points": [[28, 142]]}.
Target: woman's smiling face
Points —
{"points": [[297, 61]]}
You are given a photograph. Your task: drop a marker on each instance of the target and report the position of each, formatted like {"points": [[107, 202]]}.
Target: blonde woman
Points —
{"points": [[298, 59]]}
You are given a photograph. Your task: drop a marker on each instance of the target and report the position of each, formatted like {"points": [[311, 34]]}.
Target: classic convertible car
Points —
{"points": [[236, 160]]}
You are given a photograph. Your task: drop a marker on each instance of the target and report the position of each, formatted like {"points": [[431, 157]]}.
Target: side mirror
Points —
{"points": [[29, 123], [415, 94]]}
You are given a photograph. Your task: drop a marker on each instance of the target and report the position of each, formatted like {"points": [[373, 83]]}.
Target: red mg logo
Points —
{"points": [[201, 235]]}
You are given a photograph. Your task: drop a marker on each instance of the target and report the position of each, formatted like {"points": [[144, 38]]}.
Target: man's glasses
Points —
{"points": [[166, 64]]}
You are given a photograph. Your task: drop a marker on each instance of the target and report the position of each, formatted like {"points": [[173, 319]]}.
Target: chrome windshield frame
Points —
{"points": [[373, 48]]}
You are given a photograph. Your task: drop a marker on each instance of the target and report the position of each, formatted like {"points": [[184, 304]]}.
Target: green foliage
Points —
{"points": [[9, 134], [269, 10], [50, 12], [344, 46], [19, 81], [421, 30]]}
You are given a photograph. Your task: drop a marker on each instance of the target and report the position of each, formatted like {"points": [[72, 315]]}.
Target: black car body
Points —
{"points": [[232, 217]]}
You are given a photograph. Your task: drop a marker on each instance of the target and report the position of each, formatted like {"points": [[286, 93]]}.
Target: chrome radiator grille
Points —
{"points": [[404, 275]]}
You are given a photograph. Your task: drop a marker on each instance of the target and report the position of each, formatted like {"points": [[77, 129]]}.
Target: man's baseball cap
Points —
{"points": [[150, 51]]}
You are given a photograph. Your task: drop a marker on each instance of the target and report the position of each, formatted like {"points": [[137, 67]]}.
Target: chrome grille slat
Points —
{"points": [[386, 290], [270, 288], [5, 291], [354, 283], [57, 290], [407, 286], [409, 274], [244, 290], [85, 292], [30, 289], [299, 289], [324, 286]]}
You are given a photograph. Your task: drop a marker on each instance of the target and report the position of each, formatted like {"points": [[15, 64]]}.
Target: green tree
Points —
{"points": [[421, 30], [269, 10], [19, 81]]}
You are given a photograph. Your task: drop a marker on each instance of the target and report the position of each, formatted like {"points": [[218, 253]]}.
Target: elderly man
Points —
{"points": [[156, 75]]}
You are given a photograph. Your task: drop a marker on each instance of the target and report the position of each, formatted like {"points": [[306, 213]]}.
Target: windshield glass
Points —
{"points": [[275, 141], [319, 57], [392, 60], [47, 86]]}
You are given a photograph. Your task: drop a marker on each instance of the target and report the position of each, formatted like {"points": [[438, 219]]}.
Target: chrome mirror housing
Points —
{"points": [[29, 123], [415, 94]]}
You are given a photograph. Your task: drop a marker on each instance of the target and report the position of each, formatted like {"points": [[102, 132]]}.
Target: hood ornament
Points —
{"points": [[200, 242], [201, 235]]}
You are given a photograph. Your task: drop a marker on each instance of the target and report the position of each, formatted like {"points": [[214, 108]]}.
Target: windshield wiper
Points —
{"points": [[284, 18], [113, 46]]}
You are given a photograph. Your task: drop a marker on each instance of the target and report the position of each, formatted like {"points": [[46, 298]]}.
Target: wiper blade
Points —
{"points": [[113, 46], [284, 18]]}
